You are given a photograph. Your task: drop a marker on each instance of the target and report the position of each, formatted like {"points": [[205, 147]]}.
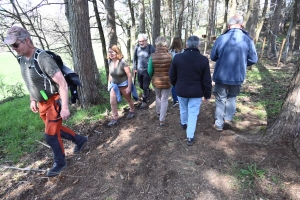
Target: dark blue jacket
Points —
{"points": [[191, 74], [233, 52]]}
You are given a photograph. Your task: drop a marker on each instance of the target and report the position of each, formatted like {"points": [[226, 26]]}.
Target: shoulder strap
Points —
{"points": [[36, 63]]}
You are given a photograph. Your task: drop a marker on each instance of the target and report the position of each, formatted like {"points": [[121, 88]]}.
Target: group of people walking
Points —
{"points": [[186, 72]]}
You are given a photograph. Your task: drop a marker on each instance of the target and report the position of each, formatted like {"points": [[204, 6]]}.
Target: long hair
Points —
{"points": [[176, 45], [116, 49]]}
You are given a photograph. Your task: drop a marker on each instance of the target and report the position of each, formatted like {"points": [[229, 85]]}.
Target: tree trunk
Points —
{"points": [[210, 21], [133, 30], [111, 22], [293, 31], [83, 54], [180, 17], [249, 13], [261, 21], [225, 16], [254, 18], [192, 17], [102, 38], [286, 127], [275, 28], [171, 17], [232, 8], [142, 25], [156, 20]]}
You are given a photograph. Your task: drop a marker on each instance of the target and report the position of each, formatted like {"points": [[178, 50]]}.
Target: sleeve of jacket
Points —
{"points": [[252, 55], [150, 67], [173, 73], [206, 81], [135, 58], [214, 52]]}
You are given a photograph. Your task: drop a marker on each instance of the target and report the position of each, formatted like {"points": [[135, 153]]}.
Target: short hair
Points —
{"points": [[161, 41], [16, 33], [193, 42], [142, 36], [236, 19], [116, 49]]}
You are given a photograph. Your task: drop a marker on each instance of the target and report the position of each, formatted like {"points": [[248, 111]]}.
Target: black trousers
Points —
{"points": [[144, 82]]}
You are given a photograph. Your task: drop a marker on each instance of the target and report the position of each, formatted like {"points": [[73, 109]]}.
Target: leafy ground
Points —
{"points": [[137, 159]]}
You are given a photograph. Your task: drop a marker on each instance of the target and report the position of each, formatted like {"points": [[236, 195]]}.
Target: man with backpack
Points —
{"points": [[48, 95], [141, 56]]}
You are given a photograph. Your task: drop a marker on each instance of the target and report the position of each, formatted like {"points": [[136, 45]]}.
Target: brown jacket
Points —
{"points": [[161, 61]]}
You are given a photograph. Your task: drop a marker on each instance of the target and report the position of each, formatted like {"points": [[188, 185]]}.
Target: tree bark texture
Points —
{"points": [[83, 54], [142, 23], [225, 16], [275, 27], [286, 127], [249, 13], [261, 21], [210, 21], [254, 18], [233, 6], [111, 22], [133, 29], [156, 20], [293, 31], [183, 5]]}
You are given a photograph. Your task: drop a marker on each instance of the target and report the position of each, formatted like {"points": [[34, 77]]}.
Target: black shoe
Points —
{"points": [[175, 104], [56, 169], [144, 105], [190, 141], [79, 147], [184, 126]]}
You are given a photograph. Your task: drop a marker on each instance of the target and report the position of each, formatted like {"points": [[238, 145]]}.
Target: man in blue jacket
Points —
{"points": [[233, 52], [191, 74]]}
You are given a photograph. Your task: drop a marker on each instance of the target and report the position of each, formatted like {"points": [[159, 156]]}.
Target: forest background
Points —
{"points": [[81, 32]]}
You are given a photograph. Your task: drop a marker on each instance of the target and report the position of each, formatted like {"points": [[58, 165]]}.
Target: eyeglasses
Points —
{"points": [[16, 45], [141, 41], [112, 52]]}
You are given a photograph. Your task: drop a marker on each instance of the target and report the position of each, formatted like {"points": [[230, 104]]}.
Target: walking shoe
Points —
{"points": [[217, 128], [113, 122], [175, 104], [190, 141], [130, 115], [80, 147], [184, 126], [56, 169], [158, 115], [144, 105], [162, 123], [228, 124]]}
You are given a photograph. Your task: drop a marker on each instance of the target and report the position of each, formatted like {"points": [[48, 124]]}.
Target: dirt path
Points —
{"points": [[138, 159]]}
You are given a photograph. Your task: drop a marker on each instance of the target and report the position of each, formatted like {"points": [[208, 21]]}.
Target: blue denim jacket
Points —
{"points": [[118, 93]]}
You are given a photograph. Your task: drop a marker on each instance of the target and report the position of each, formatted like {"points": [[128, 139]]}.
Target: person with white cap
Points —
{"points": [[50, 99]]}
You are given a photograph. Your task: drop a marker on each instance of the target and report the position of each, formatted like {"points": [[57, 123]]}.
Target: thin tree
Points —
{"points": [[102, 37], [110, 22], [261, 21], [156, 20], [142, 26]]}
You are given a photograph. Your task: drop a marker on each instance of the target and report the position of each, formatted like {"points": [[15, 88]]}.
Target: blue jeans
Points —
{"points": [[189, 110], [174, 95], [225, 102]]}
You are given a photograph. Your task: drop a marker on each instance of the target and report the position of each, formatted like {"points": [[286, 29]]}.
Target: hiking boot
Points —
{"points": [[175, 104], [184, 126], [228, 124], [79, 147], [130, 115], [217, 128], [113, 122], [190, 141], [144, 105], [56, 169]]}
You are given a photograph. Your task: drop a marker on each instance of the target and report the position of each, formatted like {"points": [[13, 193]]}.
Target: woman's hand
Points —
{"points": [[128, 90]]}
